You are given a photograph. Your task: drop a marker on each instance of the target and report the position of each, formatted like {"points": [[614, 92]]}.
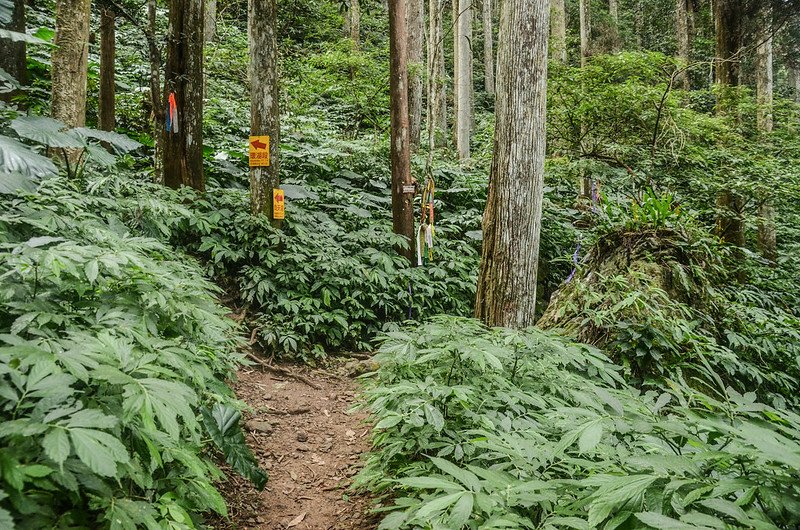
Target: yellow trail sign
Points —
{"points": [[259, 151], [278, 204]]}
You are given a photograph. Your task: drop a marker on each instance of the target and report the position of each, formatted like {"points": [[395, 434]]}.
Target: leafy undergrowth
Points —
{"points": [[657, 292], [113, 360], [479, 428], [329, 279]]}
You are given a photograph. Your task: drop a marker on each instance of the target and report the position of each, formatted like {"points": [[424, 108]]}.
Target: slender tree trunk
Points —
{"points": [[764, 78], [586, 35], [463, 79], [107, 97], [353, 23], [488, 48], [728, 23], [70, 62], [506, 293], [585, 30], [210, 29], [402, 186], [794, 82], [437, 96], [767, 241], [638, 23], [264, 100], [613, 12], [730, 204], [558, 31], [454, 31], [155, 93], [69, 71], [416, 61], [682, 30], [183, 144], [13, 58]]}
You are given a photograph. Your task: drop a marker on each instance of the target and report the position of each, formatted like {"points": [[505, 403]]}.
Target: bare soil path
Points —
{"points": [[311, 446]]}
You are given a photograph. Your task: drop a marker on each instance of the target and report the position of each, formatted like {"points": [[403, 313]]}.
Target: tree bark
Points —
{"points": [[683, 13], [506, 294], [463, 79], [70, 62], [437, 96], [210, 29], [183, 146], [767, 240], [585, 30], [264, 100], [794, 82], [416, 61], [764, 77], [728, 25], [155, 93], [558, 31], [488, 48], [107, 97], [455, 6], [69, 71], [730, 221], [613, 12], [402, 187], [585, 27], [353, 23], [13, 55]]}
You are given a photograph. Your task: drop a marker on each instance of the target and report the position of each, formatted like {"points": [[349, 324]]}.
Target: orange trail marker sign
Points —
{"points": [[278, 204], [259, 151]]}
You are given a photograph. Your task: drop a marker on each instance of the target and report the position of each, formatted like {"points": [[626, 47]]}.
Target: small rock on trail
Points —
{"points": [[310, 446]]}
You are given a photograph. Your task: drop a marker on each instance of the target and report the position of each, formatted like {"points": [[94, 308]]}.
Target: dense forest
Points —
{"points": [[400, 264]]}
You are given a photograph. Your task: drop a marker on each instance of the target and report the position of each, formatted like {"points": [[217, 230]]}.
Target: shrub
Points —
{"points": [[112, 348], [479, 428]]}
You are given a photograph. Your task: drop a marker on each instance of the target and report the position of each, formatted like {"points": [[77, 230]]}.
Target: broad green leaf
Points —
{"points": [[98, 450], [56, 445], [662, 522], [19, 159]]}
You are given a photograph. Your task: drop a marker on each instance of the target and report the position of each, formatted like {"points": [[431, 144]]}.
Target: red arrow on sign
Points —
{"points": [[258, 144]]}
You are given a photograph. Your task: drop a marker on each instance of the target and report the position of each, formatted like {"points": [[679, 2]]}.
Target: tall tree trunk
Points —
{"points": [[70, 69], [613, 12], [488, 48], [506, 293], [416, 61], [455, 6], [463, 79], [210, 29], [794, 81], [764, 77], [353, 23], [727, 19], [13, 58], [728, 23], [767, 241], [558, 31], [586, 35], [437, 96], [585, 30], [183, 78], [265, 102], [638, 23], [155, 93], [683, 10], [106, 99], [402, 186]]}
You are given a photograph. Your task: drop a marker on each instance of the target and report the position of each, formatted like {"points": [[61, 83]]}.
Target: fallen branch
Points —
{"points": [[282, 371]]}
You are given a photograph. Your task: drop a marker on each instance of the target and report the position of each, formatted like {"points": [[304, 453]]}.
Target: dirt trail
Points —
{"points": [[310, 445]]}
